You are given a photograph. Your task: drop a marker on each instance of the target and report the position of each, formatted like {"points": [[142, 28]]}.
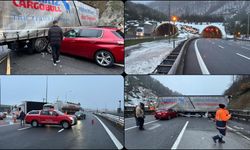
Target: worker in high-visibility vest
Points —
{"points": [[221, 118]]}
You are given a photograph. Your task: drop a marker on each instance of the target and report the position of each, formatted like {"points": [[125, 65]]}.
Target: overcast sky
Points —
{"points": [[196, 84], [91, 91]]}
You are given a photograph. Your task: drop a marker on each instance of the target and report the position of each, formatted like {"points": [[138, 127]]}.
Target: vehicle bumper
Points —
{"points": [[118, 53]]}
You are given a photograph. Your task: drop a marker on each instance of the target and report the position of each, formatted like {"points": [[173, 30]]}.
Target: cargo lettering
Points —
{"points": [[36, 5]]}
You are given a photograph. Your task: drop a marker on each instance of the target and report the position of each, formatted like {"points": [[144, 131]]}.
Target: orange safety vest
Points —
{"points": [[222, 115]]}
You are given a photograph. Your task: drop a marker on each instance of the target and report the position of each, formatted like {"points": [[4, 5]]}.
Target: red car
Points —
{"points": [[51, 117], [104, 45], [165, 114]]}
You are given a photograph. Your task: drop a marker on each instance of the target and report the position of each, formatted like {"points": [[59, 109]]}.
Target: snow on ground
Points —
{"points": [[145, 57]]}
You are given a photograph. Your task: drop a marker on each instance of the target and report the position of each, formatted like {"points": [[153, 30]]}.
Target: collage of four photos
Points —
{"points": [[113, 74]]}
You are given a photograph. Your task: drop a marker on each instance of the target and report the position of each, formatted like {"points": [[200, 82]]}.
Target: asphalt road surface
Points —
{"points": [[41, 63], [217, 56], [182, 133], [84, 135]]}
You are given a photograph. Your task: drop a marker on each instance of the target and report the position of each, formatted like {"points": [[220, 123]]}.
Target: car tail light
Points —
{"points": [[120, 42]]}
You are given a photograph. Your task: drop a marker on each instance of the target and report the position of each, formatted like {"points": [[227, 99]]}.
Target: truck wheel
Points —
{"points": [[34, 123], [49, 49], [39, 44], [65, 125]]}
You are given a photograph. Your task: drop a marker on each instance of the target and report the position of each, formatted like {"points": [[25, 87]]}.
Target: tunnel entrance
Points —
{"points": [[211, 32], [166, 29]]}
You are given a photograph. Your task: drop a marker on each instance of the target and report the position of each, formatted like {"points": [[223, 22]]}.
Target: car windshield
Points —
{"points": [[139, 30]]}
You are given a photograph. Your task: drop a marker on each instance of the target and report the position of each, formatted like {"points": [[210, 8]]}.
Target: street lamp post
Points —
{"points": [[174, 19], [169, 20], [248, 25]]}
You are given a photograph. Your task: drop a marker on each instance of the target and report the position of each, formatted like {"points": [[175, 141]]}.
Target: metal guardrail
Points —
{"points": [[170, 64], [118, 120], [243, 115]]}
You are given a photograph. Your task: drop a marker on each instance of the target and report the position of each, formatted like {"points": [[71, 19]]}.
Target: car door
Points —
{"points": [[44, 115], [87, 42], [69, 43]]}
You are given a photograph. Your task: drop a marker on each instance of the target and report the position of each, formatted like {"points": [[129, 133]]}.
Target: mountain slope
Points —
{"points": [[143, 89]]}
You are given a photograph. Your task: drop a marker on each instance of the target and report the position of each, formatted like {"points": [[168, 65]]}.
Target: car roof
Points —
{"points": [[102, 28]]}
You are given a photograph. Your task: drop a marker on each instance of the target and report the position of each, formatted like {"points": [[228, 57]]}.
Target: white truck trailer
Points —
{"points": [[25, 23]]}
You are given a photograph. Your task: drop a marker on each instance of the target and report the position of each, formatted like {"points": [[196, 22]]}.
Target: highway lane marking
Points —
{"points": [[8, 65], [203, 67], [60, 130], [177, 142], [119, 65], [156, 125], [144, 124], [243, 56], [245, 47], [243, 136], [240, 128], [24, 128], [221, 46], [111, 135]]}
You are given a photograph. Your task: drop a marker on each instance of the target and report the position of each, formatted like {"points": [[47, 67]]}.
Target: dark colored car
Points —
{"points": [[103, 45], [80, 115], [165, 114], [50, 117]]}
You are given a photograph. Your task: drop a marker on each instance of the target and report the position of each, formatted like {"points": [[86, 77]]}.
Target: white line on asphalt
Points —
{"points": [[243, 56], [245, 47], [240, 128], [221, 47], [154, 126], [111, 135], [120, 65], [60, 130], [243, 136], [24, 128], [176, 143], [144, 124], [203, 67], [231, 129]]}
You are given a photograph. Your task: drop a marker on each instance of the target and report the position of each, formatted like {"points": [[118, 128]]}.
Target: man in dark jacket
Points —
{"points": [[21, 117], [55, 36]]}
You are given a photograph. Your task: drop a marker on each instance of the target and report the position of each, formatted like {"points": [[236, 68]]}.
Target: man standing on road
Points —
{"points": [[140, 115], [55, 36], [21, 117], [221, 118]]}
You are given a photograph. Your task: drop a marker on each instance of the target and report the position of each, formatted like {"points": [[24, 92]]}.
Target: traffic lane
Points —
{"points": [[242, 127], [219, 58], [191, 65], [158, 135], [116, 130], [130, 122], [41, 63], [82, 135], [199, 132]]}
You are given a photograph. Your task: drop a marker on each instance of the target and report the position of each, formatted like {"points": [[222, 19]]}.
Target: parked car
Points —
{"points": [[50, 117], [165, 114], [80, 115], [103, 45]]}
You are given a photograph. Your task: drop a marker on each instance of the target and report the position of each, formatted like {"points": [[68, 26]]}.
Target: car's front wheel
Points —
{"points": [[104, 58], [34, 123], [65, 125]]}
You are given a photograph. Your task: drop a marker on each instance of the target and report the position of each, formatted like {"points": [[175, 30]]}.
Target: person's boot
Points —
{"points": [[215, 138], [221, 140]]}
